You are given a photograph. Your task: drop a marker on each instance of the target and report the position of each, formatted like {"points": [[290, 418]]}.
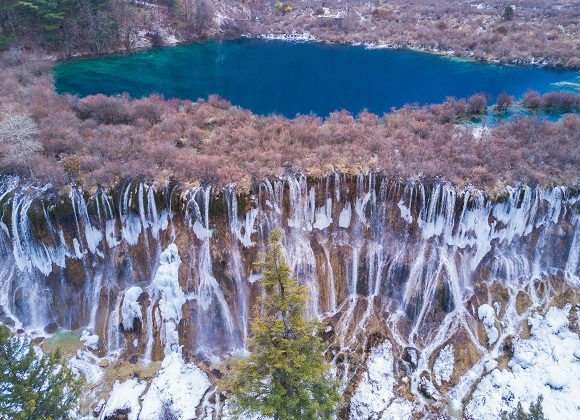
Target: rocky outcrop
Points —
{"points": [[418, 271]]}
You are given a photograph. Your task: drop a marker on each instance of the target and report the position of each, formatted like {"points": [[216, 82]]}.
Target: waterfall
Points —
{"points": [[373, 253], [115, 339]]}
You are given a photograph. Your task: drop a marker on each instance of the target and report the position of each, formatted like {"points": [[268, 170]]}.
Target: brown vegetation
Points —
{"points": [[102, 140], [530, 31], [526, 31]]}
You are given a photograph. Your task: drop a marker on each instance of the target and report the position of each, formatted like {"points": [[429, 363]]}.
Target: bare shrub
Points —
{"points": [[504, 101], [19, 137], [105, 109], [477, 104], [531, 99]]}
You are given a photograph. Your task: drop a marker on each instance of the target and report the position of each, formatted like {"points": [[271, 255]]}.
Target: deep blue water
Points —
{"points": [[289, 78]]}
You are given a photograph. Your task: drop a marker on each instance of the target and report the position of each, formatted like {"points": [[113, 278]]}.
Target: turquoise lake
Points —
{"points": [[298, 78]]}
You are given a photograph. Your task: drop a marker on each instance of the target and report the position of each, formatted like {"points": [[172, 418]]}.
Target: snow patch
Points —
{"points": [[375, 390], [86, 364], [545, 364], [90, 340], [443, 366], [178, 387], [399, 409], [125, 396]]}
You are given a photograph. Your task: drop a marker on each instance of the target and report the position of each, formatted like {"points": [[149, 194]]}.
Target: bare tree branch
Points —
{"points": [[18, 137]]}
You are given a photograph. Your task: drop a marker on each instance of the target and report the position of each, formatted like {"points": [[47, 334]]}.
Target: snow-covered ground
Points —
{"points": [[374, 397], [547, 364], [375, 390], [125, 396], [177, 388]]}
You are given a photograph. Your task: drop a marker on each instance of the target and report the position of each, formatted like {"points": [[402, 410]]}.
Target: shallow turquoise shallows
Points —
{"points": [[290, 78]]}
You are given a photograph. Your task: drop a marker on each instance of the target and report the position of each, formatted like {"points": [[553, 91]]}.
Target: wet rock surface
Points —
{"points": [[51, 328], [409, 264]]}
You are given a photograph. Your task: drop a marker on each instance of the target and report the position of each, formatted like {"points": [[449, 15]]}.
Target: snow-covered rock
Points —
{"points": [[375, 390], [90, 340], [125, 396], [86, 364], [543, 365], [178, 387]]}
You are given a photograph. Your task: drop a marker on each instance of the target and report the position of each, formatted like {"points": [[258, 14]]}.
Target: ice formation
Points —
{"points": [[131, 309], [166, 282], [362, 245], [487, 315], [90, 340]]}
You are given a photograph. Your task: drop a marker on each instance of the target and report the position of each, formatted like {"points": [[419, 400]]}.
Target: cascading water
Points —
{"points": [[377, 256]]}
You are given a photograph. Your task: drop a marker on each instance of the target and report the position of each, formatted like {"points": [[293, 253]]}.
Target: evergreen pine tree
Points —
{"points": [[33, 385], [536, 412], [536, 409], [286, 374]]}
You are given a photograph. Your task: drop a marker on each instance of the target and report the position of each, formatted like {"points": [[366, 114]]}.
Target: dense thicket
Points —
{"points": [[102, 140], [524, 31], [96, 26], [58, 24]]}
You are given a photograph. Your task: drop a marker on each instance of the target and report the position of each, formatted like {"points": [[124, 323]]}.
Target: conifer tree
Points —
{"points": [[285, 376], [33, 385], [536, 411]]}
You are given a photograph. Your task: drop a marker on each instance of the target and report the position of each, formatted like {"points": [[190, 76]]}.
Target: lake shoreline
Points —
{"points": [[306, 37], [105, 140], [200, 69]]}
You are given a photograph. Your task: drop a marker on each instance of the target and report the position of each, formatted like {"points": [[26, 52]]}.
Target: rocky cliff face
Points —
{"points": [[424, 289]]}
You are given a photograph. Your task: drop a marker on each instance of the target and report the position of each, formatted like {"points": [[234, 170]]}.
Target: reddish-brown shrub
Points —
{"points": [[477, 104], [105, 109], [504, 101], [531, 99]]}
